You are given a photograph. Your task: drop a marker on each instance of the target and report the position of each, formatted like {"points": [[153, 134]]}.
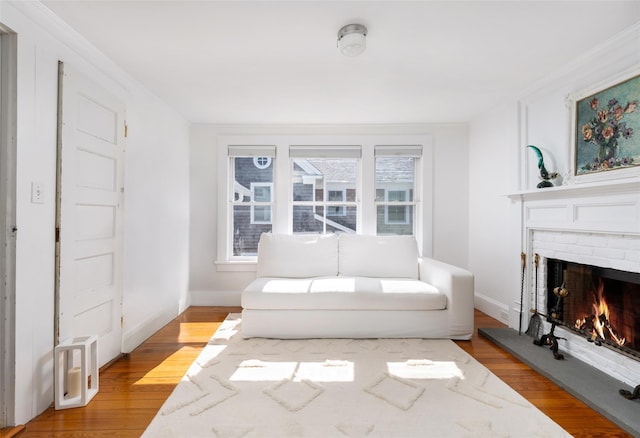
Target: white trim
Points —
{"points": [[8, 230], [496, 309], [222, 298], [136, 335], [236, 266]]}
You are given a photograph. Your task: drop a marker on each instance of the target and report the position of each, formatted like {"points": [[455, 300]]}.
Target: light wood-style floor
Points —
{"points": [[134, 387]]}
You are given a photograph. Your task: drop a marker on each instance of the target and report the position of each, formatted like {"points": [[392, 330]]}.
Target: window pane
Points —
{"points": [[396, 195], [261, 193], [246, 234], [324, 194], [252, 183], [304, 220], [261, 214], [344, 223], [336, 195], [395, 219], [395, 182], [247, 174], [395, 174]]}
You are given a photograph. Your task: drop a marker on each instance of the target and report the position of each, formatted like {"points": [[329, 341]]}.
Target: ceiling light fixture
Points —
{"points": [[351, 39]]}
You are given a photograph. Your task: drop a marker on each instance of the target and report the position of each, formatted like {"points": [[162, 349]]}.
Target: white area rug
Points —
{"points": [[342, 388]]}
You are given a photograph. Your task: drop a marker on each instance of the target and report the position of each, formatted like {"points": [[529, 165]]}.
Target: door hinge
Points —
{"points": [[122, 322], [57, 234], [126, 130]]}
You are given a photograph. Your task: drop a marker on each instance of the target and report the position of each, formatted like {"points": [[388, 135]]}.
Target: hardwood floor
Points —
{"points": [[134, 387]]}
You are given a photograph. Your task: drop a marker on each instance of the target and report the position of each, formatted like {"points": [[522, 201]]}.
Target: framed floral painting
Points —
{"points": [[607, 129]]}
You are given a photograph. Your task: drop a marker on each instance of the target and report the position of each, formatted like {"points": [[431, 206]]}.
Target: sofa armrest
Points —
{"points": [[457, 284]]}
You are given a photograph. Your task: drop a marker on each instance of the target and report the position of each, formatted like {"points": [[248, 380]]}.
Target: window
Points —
{"points": [[324, 184], [395, 187], [262, 162], [320, 184], [250, 196]]}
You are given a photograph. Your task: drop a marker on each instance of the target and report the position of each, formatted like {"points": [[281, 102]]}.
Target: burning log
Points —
{"points": [[598, 324]]}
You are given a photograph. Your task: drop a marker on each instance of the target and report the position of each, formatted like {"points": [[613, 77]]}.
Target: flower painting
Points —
{"points": [[608, 129]]}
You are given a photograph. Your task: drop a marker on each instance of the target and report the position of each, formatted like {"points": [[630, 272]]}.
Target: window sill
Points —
{"points": [[236, 266]]}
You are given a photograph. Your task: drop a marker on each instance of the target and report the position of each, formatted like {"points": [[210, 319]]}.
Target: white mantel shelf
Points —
{"points": [[626, 185]]}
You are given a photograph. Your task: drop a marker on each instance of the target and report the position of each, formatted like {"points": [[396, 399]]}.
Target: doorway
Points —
{"points": [[8, 228]]}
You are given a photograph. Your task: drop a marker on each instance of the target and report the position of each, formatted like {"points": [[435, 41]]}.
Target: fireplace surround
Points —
{"points": [[595, 224]]}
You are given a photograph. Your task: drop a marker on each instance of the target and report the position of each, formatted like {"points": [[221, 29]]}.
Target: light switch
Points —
{"points": [[37, 193]]}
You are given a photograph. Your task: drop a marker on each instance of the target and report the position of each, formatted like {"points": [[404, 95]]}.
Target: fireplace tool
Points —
{"points": [[550, 338], [535, 328], [631, 395]]}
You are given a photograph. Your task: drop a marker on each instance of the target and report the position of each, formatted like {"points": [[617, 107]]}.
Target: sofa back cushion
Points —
{"points": [[378, 256], [297, 256]]}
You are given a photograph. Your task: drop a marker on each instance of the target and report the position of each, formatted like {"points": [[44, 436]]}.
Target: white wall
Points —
{"points": [[450, 225], [156, 198], [500, 164], [494, 225]]}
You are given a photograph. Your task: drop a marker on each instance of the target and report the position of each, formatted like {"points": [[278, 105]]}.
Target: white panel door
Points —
{"points": [[91, 124]]}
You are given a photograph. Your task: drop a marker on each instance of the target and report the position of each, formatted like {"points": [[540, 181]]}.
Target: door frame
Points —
{"points": [[8, 226]]}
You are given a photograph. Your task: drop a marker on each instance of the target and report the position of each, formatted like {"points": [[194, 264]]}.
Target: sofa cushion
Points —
{"points": [[297, 256], [378, 256], [342, 293]]}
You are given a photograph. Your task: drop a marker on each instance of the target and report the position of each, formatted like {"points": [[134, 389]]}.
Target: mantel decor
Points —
{"points": [[607, 129]]}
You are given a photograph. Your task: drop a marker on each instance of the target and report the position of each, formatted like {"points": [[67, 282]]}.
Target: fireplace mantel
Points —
{"points": [[617, 186]]}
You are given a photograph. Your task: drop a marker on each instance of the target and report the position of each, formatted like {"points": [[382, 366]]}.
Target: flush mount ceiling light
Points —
{"points": [[352, 39]]}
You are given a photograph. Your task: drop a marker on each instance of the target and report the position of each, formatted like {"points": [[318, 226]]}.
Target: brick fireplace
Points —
{"points": [[596, 224]]}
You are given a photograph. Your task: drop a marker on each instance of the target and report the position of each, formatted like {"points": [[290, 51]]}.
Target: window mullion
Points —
{"points": [[283, 195], [367, 207]]}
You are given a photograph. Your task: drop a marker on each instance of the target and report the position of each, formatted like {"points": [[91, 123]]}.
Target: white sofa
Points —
{"points": [[354, 286]]}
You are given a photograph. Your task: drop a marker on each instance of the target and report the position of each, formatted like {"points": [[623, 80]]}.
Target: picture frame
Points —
{"points": [[606, 130]]}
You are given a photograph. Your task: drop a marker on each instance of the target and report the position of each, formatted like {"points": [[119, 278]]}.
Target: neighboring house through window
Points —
{"points": [[261, 193], [250, 196], [327, 187]]}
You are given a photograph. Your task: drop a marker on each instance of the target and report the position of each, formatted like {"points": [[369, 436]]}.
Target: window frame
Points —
{"points": [[283, 190]]}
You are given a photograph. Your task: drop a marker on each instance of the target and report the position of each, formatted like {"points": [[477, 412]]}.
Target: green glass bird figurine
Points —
{"points": [[545, 175]]}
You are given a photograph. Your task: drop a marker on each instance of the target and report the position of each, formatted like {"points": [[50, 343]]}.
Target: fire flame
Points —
{"points": [[599, 321]]}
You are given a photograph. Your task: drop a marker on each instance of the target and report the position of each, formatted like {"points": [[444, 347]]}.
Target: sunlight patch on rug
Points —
{"points": [[342, 388]]}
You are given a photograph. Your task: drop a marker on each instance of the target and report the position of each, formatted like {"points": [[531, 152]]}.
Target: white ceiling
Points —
{"points": [[276, 61]]}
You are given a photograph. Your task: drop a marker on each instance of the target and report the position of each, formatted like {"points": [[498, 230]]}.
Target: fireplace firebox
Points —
{"points": [[602, 304]]}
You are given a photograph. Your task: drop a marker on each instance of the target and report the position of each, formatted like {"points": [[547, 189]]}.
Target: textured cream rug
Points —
{"points": [[342, 388]]}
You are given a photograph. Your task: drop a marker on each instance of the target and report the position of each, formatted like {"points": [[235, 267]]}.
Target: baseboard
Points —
{"points": [[214, 298], [141, 332], [492, 308]]}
